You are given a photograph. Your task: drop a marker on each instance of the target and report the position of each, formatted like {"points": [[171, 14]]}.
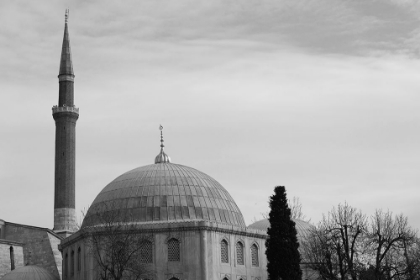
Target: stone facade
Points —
{"points": [[11, 254], [31, 246], [200, 252]]}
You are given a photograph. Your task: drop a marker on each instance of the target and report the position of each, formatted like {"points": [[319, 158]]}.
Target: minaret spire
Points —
{"points": [[162, 157], [65, 115], [66, 65]]}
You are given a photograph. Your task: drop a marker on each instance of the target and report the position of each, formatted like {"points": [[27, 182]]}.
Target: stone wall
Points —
{"points": [[231, 269], [200, 256], [40, 246], [5, 256]]}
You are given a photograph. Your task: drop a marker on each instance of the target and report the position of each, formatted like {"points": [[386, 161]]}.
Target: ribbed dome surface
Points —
{"points": [[29, 272], [166, 192], [302, 227]]}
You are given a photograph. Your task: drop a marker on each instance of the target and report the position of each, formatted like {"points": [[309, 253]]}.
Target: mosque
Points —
{"points": [[190, 226]]}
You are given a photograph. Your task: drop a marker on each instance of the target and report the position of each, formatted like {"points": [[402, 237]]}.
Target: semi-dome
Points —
{"points": [[29, 272], [165, 192]]}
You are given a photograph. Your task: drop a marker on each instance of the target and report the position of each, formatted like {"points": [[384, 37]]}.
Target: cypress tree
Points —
{"points": [[282, 245]]}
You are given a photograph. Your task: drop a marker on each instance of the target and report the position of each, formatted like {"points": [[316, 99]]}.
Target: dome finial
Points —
{"points": [[67, 16], [162, 157], [161, 136]]}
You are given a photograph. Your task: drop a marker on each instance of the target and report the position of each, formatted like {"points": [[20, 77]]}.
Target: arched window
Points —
{"points": [[254, 255], [79, 259], [225, 278], [146, 252], [72, 263], [12, 258], [173, 278], [224, 252], [173, 250], [66, 266], [239, 253]]}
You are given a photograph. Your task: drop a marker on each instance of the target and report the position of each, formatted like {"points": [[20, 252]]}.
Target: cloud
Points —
{"points": [[317, 95]]}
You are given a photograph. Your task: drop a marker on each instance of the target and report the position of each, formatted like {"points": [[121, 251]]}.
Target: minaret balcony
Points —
{"points": [[59, 109]]}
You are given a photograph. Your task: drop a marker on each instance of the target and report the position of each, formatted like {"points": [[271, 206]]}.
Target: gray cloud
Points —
{"points": [[317, 95]]}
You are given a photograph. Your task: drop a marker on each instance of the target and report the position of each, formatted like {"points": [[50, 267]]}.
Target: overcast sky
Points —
{"points": [[321, 96]]}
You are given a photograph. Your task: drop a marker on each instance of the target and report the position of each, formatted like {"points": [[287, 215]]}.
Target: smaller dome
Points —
{"points": [[29, 272], [302, 227]]}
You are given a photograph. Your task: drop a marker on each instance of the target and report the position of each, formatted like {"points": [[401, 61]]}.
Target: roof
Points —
{"points": [[165, 192], [29, 272], [34, 228]]}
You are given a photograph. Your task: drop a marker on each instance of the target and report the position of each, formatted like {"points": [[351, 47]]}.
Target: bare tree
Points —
{"points": [[296, 208], [345, 245], [412, 256], [319, 255], [344, 227], [118, 248], [334, 248], [388, 239]]}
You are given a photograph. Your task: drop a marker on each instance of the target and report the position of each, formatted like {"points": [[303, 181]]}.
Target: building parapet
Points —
{"points": [[11, 242]]}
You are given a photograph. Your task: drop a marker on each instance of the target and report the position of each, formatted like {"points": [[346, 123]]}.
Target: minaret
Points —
{"points": [[65, 116]]}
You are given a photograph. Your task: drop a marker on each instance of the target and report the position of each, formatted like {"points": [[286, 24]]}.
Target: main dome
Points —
{"points": [[165, 192]]}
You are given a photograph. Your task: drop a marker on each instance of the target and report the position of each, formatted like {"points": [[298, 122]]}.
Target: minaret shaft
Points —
{"points": [[65, 116], [66, 94], [65, 161]]}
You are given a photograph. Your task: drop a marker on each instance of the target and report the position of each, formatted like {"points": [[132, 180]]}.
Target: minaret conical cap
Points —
{"points": [[162, 157], [66, 65]]}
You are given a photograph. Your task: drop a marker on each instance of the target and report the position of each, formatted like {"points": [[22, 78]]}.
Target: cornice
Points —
{"points": [[152, 228]]}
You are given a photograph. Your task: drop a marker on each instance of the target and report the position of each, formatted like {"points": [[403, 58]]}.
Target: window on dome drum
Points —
{"points": [[12, 258], [72, 263], [224, 252], [173, 278], [79, 259], [225, 278], [173, 250], [254, 255], [239, 253], [146, 253]]}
